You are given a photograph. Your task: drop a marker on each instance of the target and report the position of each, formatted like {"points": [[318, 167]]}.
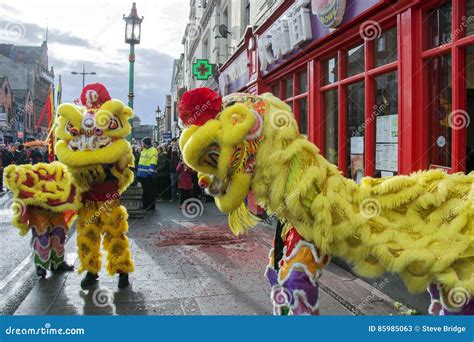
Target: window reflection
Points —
{"points": [[386, 48], [440, 101], [356, 130], [355, 61], [439, 25], [331, 121]]}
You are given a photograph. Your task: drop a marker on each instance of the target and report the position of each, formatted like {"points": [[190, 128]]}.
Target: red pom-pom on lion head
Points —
{"points": [[198, 106], [94, 95]]}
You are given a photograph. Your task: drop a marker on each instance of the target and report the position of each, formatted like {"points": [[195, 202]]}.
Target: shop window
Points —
{"points": [[303, 82], [331, 122], [289, 87], [470, 108], [440, 25], [330, 71], [386, 50], [276, 89], [440, 110], [386, 114], [303, 115], [356, 130], [470, 17], [295, 92], [355, 61]]}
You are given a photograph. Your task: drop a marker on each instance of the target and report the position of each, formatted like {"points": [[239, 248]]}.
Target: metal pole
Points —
{"points": [[131, 76], [83, 76]]}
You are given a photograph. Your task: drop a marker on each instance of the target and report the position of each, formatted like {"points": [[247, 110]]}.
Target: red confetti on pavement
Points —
{"points": [[200, 236]]}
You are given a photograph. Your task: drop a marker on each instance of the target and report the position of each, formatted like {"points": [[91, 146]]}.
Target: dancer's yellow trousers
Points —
{"points": [[104, 222]]}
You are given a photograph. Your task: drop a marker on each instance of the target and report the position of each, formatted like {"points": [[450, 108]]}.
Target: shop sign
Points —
{"points": [[236, 75], [329, 12], [286, 35], [202, 69]]}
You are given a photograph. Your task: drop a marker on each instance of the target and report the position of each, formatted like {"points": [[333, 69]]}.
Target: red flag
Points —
{"points": [[48, 109]]}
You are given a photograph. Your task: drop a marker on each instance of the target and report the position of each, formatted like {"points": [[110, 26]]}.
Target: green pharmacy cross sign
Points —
{"points": [[202, 69]]}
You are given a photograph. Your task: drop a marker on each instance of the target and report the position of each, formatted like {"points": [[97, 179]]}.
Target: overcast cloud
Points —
{"points": [[91, 32]]}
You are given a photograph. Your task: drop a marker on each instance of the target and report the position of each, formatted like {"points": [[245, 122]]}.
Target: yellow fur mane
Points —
{"points": [[419, 226]]}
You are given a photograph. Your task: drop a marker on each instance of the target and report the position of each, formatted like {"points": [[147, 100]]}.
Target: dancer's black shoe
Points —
{"points": [[89, 279], [123, 280]]}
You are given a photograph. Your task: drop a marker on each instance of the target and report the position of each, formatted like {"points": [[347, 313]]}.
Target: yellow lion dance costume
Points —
{"points": [[44, 202], [419, 226], [92, 144]]}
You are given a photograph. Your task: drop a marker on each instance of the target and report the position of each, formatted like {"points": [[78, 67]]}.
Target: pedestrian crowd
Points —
{"points": [[19, 154], [163, 174]]}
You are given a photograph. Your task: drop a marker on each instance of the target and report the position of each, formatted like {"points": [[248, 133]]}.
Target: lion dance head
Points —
{"points": [[222, 140], [95, 132]]}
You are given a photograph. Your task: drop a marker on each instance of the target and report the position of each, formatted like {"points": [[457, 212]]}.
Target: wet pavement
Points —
{"points": [[193, 266]]}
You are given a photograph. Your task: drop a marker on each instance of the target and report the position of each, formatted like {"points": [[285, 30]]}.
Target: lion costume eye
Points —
{"points": [[72, 130], [114, 124], [211, 156]]}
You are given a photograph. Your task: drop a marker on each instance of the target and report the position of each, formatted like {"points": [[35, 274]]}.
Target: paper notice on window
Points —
{"points": [[357, 145], [386, 174], [387, 129], [386, 157]]}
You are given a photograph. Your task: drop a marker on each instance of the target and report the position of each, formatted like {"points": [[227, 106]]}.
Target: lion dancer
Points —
{"points": [[44, 202], [226, 171], [294, 268], [92, 143]]}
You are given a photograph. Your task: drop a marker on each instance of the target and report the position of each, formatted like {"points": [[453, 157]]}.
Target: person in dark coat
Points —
{"points": [[185, 182], [36, 156], [19, 156], [173, 155], [163, 175]]}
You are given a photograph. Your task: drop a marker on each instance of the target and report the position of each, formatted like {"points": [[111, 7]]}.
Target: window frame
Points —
{"points": [[368, 76], [294, 100], [457, 48]]}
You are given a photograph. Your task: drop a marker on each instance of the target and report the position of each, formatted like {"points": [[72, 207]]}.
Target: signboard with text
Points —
{"points": [[302, 24]]}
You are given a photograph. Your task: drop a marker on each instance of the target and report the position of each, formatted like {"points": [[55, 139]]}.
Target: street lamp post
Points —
{"points": [[158, 127], [83, 73], [133, 28]]}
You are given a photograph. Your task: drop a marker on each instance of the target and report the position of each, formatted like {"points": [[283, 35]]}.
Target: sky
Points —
{"points": [[91, 32]]}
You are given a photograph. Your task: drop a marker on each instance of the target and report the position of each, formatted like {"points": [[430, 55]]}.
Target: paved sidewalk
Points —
{"points": [[194, 267]]}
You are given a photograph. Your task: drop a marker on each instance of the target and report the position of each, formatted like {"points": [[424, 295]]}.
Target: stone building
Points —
{"points": [[27, 70]]}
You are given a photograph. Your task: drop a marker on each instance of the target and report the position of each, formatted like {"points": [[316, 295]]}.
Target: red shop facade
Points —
{"points": [[381, 87]]}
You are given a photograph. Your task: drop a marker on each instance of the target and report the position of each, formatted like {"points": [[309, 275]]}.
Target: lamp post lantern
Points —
{"points": [[133, 29], [158, 124]]}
